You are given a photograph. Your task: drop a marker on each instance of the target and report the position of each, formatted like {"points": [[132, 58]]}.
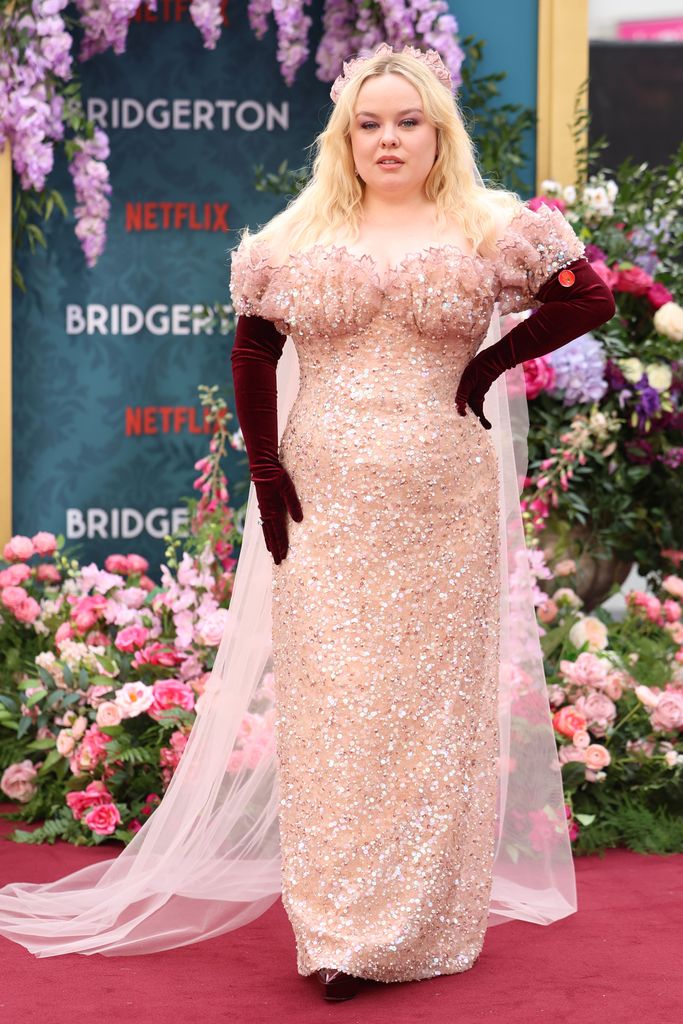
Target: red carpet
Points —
{"points": [[616, 961]]}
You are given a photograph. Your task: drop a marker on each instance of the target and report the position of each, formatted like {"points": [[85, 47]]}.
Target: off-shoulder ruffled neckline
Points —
{"points": [[368, 262]]}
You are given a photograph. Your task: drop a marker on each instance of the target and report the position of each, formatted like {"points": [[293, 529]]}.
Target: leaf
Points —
{"points": [[45, 676], [35, 697], [112, 730], [52, 758], [585, 819], [45, 744]]}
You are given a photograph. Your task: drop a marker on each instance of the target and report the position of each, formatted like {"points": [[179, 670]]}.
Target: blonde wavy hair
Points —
{"points": [[329, 206]]}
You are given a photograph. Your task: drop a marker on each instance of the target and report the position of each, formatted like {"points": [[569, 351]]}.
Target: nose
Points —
{"points": [[389, 136]]}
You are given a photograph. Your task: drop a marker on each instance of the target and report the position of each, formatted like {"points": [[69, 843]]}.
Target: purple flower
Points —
{"points": [[91, 185], [208, 18], [594, 252], [673, 458], [579, 367], [614, 377]]}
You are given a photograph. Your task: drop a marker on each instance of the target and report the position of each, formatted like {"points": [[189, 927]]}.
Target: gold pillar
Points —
{"points": [[562, 67], [5, 345]]}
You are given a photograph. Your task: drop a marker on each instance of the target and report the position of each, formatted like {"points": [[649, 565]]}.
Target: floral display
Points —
{"points": [[606, 410], [104, 669]]}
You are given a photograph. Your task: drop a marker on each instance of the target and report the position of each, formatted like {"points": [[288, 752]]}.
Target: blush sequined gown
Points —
{"points": [[385, 612]]}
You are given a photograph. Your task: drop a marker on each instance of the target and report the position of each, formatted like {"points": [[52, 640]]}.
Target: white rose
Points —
{"points": [[668, 320], [659, 376], [134, 698], [589, 629], [563, 594], [548, 185], [632, 369], [612, 190], [569, 195], [671, 758]]}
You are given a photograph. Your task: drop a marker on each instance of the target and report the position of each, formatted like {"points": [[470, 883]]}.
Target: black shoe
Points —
{"points": [[336, 984]]}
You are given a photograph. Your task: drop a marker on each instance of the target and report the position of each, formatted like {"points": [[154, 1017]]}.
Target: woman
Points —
{"points": [[386, 629], [410, 795]]}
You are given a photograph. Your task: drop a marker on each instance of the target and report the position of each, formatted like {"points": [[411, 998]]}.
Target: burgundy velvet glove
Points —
{"points": [[257, 348], [573, 303]]}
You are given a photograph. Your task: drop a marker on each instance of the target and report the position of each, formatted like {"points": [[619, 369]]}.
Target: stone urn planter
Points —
{"points": [[596, 570]]}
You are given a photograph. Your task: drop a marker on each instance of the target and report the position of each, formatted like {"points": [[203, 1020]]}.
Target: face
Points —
{"points": [[389, 123]]}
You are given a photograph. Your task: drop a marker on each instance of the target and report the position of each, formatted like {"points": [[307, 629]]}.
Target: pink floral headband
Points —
{"points": [[351, 67]]}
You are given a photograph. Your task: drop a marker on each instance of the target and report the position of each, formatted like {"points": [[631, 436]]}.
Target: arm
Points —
{"points": [[255, 353], [575, 300]]}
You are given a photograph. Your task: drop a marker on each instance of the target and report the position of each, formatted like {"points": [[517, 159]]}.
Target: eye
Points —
{"points": [[411, 121]]}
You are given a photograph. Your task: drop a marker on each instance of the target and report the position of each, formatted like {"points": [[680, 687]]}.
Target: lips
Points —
{"points": [[389, 160]]}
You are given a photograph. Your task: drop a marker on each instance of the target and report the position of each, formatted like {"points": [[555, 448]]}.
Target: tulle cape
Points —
{"points": [[208, 859]]}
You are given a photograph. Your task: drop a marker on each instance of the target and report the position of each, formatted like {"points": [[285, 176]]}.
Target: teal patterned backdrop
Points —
{"points": [[79, 396]]}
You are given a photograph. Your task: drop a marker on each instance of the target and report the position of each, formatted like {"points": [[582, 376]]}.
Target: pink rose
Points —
{"points": [[171, 693], [79, 725], [136, 563], [614, 685], [87, 610], [581, 739], [608, 275], [597, 756], [633, 280], [587, 670], [94, 795], [657, 295], [65, 742], [13, 597], [599, 711], [95, 694], [96, 638], [13, 575], [131, 637], [568, 752], [567, 720], [117, 564], [672, 610], [556, 695], [48, 573], [539, 375], [547, 611], [103, 819], [29, 611], [673, 585], [18, 781], [179, 740], [63, 633], [18, 549], [44, 543], [108, 713], [668, 714], [158, 654]]}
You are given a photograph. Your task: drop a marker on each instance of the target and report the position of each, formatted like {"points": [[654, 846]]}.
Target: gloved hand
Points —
{"points": [[573, 303], [257, 348]]}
